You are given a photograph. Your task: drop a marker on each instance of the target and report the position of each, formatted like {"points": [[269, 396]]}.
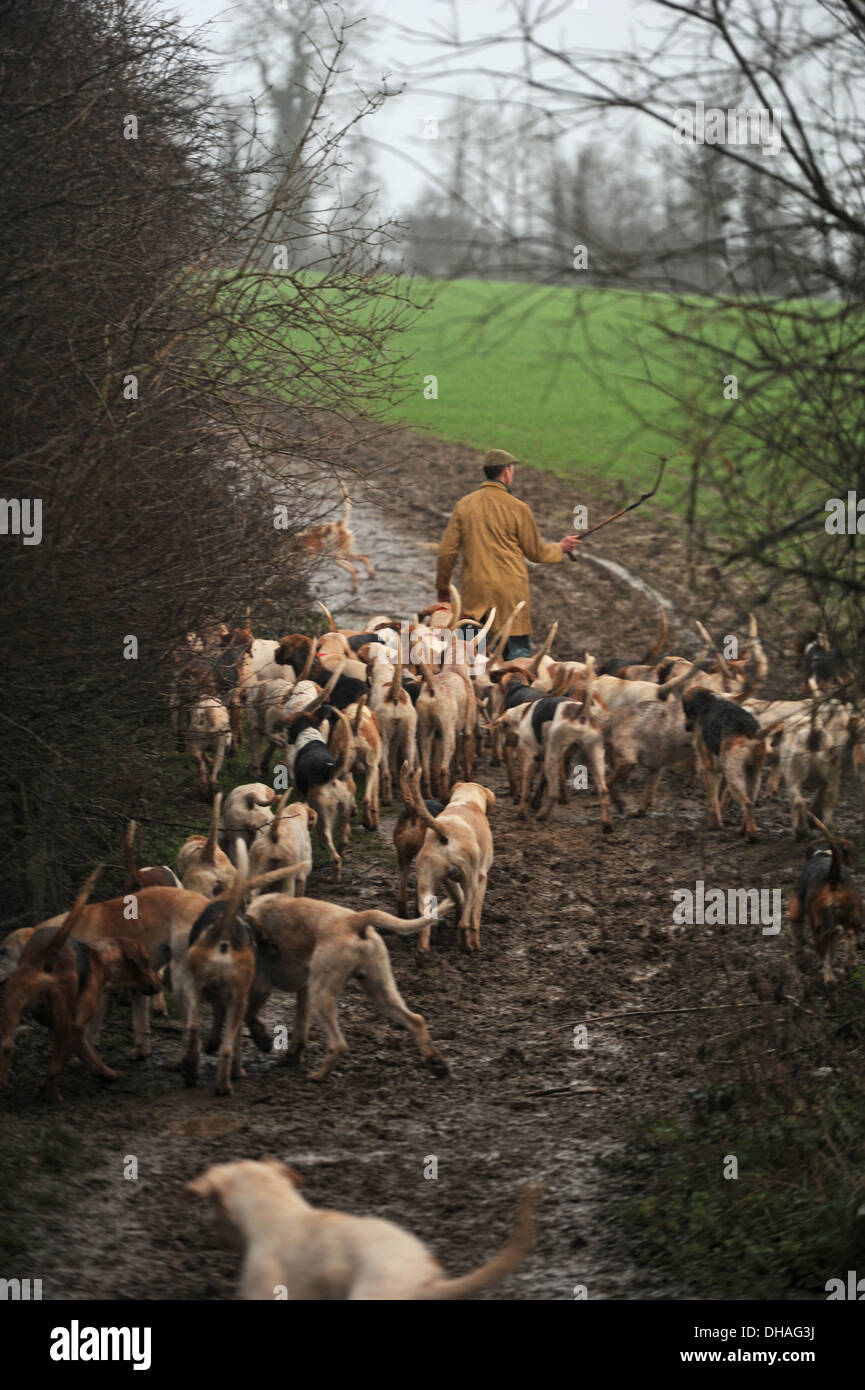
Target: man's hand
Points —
{"points": [[443, 596], [569, 544]]}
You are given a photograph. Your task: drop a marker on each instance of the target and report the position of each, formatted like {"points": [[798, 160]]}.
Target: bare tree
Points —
{"points": [[298, 48], [166, 397], [757, 108]]}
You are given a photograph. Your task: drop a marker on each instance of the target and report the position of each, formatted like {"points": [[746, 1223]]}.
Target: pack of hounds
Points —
{"points": [[415, 704]]}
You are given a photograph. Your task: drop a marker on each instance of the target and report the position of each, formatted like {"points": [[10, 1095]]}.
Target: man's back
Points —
{"points": [[496, 533]]}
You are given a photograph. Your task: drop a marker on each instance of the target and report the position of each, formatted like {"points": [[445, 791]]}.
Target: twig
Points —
{"points": [[694, 1009], [571, 1090]]}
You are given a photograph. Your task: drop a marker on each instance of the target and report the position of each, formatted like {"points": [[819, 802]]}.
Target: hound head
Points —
{"points": [[232, 1187], [293, 651], [475, 793], [694, 702]]}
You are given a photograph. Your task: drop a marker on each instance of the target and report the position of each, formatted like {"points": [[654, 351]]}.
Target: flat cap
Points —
{"points": [[498, 458]]}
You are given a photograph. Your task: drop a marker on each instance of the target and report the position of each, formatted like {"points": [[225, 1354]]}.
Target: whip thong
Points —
{"points": [[639, 502]]}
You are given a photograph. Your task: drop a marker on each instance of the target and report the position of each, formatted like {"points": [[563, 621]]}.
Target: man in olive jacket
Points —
{"points": [[496, 534]]}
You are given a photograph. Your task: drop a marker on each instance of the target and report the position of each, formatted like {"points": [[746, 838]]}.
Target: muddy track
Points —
{"points": [[577, 927]]}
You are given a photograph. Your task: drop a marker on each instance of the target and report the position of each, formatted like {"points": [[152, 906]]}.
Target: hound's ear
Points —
{"points": [[491, 800], [311, 817], [134, 952], [290, 1174], [207, 1185]]}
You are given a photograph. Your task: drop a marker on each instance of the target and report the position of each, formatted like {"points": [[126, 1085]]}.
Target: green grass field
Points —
{"points": [[581, 382], [586, 382]]}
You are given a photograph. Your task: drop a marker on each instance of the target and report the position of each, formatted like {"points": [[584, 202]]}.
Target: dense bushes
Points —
{"points": [[133, 412]]}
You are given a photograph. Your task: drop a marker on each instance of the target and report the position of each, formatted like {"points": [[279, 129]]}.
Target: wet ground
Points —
{"points": [[577, 930]]}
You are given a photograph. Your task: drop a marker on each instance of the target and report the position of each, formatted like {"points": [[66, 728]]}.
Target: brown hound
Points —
{"points": [[60, 981]]}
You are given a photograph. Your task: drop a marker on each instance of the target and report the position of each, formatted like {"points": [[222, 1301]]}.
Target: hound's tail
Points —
{"points": [[416, 802], [226, 926], [719, 655], [405, 788], [756, 664], [128, 856], [835, 867], [331, 624], [208, 853], [361, 705], [374, 917], [303, 674], [233, 897], [51, 950], [655, 651], [589, 690], [471, 702], [346, 754], [534, 665], [253, 799], [277, 815], [457, 605], [396, 683], [473, 647], [565, 682], [323, 695], [509, 1258], [504, 633]]}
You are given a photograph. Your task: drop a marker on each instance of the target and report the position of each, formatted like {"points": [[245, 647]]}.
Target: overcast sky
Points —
{"points": [[398, 129]]}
